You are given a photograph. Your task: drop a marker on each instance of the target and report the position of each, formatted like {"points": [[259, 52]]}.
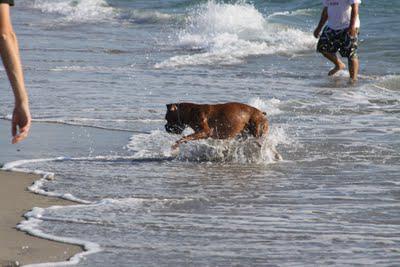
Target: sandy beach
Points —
{"points": [[17, 247]]}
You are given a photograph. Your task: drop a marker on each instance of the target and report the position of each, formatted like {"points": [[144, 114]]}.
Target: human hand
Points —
{"points": [[352, 31], [21, 122], [316, 32]]}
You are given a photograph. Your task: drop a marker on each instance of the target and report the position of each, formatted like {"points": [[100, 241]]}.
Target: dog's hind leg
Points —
{"points": [[259, 130], [259, 126], [277, 156]]}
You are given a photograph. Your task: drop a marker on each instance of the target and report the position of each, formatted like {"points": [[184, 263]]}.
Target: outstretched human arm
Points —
{"points": [[21, 118], [353, 19], [322, 21]]}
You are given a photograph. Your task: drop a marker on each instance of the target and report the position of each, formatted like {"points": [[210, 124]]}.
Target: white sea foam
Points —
{"points": [[36, 187], [7, 117], [144, 205], [98, 11], [299, 12], [229, 33], [270, 106], [147, 16], [389, 82], [31, 226], [235, 151], [77, 10], [92, 122], [35, 216], [381, 92], [78, 120], [156, 144], [91, 69]]}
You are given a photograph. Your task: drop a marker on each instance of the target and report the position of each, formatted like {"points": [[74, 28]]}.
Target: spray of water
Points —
{"points": [[222, 33]]}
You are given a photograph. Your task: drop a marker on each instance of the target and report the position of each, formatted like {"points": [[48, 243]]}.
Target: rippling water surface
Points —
{"points": [[99, 75]]}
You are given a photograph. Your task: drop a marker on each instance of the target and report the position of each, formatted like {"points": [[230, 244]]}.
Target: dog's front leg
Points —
{"points": [[202, 131], [203, 134]]}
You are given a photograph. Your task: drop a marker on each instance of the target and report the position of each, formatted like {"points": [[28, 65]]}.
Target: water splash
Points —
{"points": [[228, 33], [158, 143], [233, 151], [77, 10], [390, 82]]}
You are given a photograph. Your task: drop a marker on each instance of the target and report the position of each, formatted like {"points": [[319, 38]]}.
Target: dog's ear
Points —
{"points": [[172, 107]]}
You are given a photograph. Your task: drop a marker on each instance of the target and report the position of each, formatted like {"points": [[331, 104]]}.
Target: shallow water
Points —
{"points": [[114, 65]]}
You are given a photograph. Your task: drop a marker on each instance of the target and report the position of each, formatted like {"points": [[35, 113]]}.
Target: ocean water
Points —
{"points": [[100, 73]]}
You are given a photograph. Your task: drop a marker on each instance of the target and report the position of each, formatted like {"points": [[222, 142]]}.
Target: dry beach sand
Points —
{"points": [[17, 247]]}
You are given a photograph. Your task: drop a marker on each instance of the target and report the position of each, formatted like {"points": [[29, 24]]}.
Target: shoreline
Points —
{"points": [[17, 247]]}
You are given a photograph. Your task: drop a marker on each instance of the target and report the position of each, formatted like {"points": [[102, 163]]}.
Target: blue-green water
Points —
{"points": [[113, 65]]}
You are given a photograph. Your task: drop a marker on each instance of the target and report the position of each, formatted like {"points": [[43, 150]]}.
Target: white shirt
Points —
{"points": [[339, 13]]}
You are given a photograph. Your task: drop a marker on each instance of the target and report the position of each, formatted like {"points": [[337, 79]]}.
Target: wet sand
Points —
{"points": [[19, 248]]}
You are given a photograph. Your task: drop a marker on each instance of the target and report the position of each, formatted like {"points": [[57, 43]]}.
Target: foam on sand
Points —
{"points": [[31, 226], [36, 187], [36, 216]]}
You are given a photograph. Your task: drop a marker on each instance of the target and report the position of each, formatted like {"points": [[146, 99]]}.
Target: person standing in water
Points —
{"points": [[9, 50], [340, 34]]}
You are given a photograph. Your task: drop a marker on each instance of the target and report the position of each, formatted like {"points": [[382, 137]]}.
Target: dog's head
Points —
{"points": [[174, 122]]}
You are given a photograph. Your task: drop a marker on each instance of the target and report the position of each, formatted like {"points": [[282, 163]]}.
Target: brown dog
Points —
{"points": [[220, 121]]}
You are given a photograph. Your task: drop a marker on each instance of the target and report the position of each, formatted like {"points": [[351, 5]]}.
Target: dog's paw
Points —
{"points": [[277, 157], [175, 146], [175, 150]]}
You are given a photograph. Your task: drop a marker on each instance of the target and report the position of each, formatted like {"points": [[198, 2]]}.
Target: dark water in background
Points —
{"points": [[334, 200]]}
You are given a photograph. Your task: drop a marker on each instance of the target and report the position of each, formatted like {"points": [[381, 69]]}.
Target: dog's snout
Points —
{"points": [[168, 128], [176, 129]]}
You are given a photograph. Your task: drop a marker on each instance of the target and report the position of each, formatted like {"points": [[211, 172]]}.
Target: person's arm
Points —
{"points": [[322, 21], [9, 50], [353, 19]]}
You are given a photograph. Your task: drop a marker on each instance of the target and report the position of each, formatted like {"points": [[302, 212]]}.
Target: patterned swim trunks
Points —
{"points": [[332, 41], [10, 2]]}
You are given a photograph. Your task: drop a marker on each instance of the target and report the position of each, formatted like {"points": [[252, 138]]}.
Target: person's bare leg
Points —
{"points": [[353, 69], [339, 65], [9, 51]]}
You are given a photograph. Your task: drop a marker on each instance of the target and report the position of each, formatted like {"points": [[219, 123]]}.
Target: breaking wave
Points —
{"points": [[90, 11], [77, 10], [219, 33]]}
